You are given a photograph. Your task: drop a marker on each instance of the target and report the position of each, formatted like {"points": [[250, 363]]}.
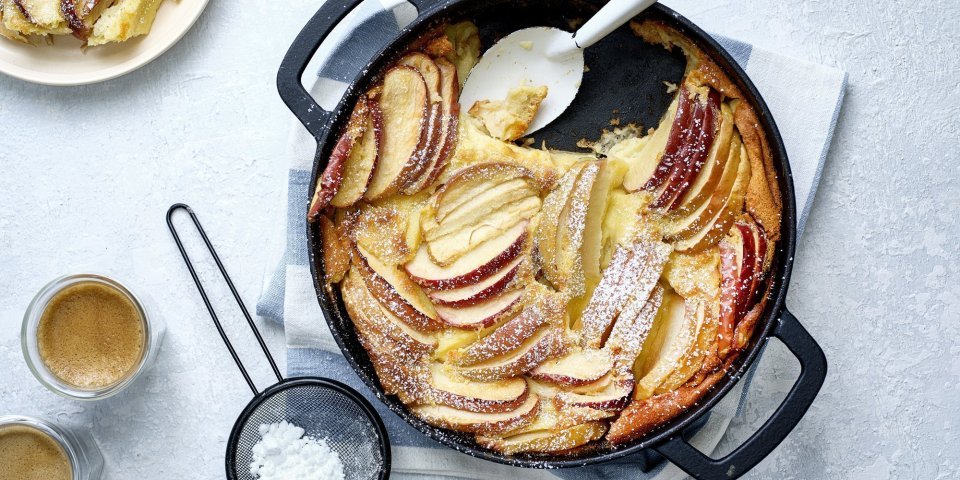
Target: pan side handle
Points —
{"points": [[291, 89], [813, 371]]}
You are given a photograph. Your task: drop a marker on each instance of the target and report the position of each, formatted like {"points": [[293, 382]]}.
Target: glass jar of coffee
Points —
{"points": [[88, 336], [35, 449]]}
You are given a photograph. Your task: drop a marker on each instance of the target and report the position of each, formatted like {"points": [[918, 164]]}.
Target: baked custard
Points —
{"points": [[545, 300]]}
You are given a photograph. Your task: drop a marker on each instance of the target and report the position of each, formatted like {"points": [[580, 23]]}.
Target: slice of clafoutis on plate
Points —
{"points": [[541, 300]]}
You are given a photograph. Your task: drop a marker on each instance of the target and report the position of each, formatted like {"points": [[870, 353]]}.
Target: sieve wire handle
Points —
{"points": [[233, 290]]}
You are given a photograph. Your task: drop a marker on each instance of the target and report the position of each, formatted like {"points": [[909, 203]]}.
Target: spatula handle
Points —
{"points": [[608, 19]]}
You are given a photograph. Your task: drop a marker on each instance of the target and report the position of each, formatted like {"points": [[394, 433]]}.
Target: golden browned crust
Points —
{"points": [[336, 253], [763, 193], [639, 418]]}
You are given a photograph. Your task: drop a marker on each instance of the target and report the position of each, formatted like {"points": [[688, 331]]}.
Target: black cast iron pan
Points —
{"points": [[624, 82]]}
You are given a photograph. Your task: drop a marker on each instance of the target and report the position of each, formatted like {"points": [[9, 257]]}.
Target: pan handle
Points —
{"points": [[813, 371], [291, 89]]}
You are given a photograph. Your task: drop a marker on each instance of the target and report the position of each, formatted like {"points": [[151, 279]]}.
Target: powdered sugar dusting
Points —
{"points": [[284, 453]]}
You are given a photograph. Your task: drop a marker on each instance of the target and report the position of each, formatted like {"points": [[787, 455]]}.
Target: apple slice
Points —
{"points": [[397, 357], [747, 262], [708, 180], [331, 181], [467, 184], [16, 19], [546, 343], [546, 416], [729, 283], [546, 441], [450, 92], [480, 206], [450, 248], [692, 360], [361, 304], [609, 177], [711, 233], [568, 271], [687, 223], [677, 129], [595, 386], [613, 398], [700, 153], [493, 397], [483, 314], [404, 102], [430, 72], [572, 415], [608, 298], [427, 68], [358, 171], [762, 245], [574, 369], [630, 277], [456, 229], [692, 156], [82, 14], [481, 262], [397, 293], [447, 134], [676, 334], [482, 290], [644, 164], [554, 417], [732, 209], [632, 328], [475, 422], [672, 163], [751, 262], [553, 205], [742, 254], [543, 308]]}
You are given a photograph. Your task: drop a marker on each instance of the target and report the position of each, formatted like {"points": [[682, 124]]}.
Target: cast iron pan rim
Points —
{"points": [[294, 382], [779, 275]]}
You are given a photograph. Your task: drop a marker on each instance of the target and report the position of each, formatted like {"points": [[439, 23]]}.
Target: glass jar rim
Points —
{"points": [[28, 338], [50, 429]]}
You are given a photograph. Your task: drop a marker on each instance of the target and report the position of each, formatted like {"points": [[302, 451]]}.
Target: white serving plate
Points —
{"points": [[64, 63]]}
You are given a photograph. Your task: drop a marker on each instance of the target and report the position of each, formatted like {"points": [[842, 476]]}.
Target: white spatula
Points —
{"points": [[544, 56]]}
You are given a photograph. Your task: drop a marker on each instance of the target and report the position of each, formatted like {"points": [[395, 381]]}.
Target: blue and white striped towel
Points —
{"points": [[804, 98]]}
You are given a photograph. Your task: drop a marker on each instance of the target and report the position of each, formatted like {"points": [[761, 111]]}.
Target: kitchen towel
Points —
{"points": [[804, 97]]}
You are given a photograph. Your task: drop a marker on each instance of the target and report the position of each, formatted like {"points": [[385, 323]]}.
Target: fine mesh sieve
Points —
{"points": [[324, 408]]}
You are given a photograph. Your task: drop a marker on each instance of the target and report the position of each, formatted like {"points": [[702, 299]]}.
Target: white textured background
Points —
{"points": [[87, 174]]}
